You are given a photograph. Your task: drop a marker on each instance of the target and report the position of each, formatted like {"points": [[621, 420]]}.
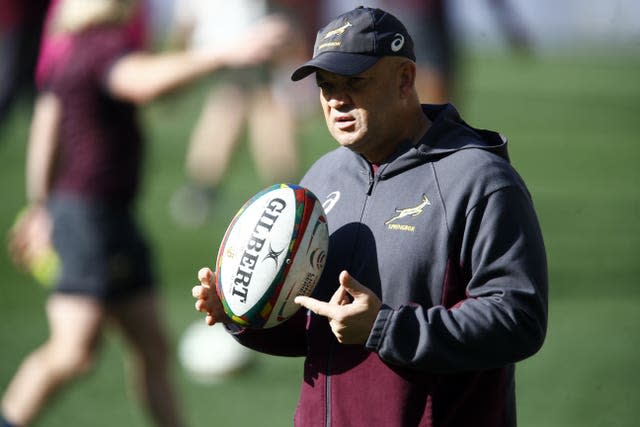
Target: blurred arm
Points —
{"points": [[43, 141], [140, 77], [29, 235]]}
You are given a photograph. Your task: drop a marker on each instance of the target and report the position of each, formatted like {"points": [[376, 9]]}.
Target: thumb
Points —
{"points": [[352, 286]]}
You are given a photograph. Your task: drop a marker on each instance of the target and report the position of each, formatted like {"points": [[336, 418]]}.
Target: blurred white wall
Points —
{"points": [[553, 23], [556, 23]]}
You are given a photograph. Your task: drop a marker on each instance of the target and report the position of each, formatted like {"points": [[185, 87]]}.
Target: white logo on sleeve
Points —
{"points": [[397, 43], [331, 201]]}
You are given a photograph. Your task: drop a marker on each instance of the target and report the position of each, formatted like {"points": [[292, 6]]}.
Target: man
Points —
{"points": [[435, 283]]}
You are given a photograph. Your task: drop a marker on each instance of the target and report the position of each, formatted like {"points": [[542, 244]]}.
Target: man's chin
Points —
{"points": [[345, 138]]}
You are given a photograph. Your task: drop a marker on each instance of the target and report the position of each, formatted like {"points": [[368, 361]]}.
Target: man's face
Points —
{"points": [[359, 109]]}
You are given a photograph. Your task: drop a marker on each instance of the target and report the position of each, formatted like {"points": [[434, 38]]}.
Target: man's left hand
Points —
{"points": [[351, 311]]}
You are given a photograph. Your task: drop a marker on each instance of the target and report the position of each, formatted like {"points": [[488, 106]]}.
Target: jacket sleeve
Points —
{"points": [[502, 318]]}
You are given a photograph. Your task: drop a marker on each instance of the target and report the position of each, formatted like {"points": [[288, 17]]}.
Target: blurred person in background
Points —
{"points": [[437, 46], [256, 99], [21, 24], [83, 177], [54, 44]]}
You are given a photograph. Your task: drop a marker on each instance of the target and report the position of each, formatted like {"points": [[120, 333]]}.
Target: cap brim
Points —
{"points": [[343, 63]]}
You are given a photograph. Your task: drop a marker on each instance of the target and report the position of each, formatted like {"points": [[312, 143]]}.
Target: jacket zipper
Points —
{"points": [[370, 185], [327, 414], [372, 181]]}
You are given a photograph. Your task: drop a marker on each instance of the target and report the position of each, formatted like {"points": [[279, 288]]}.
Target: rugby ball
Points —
{"points": [[273, 250]]}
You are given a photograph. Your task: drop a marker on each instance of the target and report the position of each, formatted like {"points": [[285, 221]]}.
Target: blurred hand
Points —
{"points": [[207, 300], [351, 311], [30, 236], [259, 44]]}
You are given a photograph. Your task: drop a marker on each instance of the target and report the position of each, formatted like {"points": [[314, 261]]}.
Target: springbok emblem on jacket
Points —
{"points": [[414, 211]]}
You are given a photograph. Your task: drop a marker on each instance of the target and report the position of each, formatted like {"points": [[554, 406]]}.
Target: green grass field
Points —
{"points": [[573, 124]]}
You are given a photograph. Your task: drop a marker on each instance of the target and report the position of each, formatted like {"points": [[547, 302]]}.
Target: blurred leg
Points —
{"points": [[75, 325], [210, 150], [216, 135], [139, 319], [272, 135]]}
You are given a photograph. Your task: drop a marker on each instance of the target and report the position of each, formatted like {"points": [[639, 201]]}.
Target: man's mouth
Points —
{"points": [[343, 122]]}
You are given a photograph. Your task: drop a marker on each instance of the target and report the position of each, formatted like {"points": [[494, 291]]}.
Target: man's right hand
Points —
{"points": [[207, 300]]}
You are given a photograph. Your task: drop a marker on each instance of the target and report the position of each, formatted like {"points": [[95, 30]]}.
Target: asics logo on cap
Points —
{"points": [[397, 43]]}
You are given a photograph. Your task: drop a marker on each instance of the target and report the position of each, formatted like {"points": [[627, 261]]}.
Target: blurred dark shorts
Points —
{"points": [[434, 46], [103, 252], [246, 78]]}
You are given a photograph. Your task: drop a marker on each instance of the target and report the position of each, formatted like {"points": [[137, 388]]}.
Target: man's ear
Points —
{"points": [[407, 78]]}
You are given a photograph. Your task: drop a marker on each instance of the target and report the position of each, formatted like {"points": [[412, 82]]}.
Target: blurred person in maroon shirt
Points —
{"points": [[84, 163]]}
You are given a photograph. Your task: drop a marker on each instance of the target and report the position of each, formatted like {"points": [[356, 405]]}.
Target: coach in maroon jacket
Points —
{"points": [[436, 282]]}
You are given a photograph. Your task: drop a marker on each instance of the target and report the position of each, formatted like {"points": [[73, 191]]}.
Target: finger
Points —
{"points": [[316, 306], [351, 285], [18, 242], [200, 292], [210, 319], [340, 296], [362, 295], [205, 276], [201, 306]]}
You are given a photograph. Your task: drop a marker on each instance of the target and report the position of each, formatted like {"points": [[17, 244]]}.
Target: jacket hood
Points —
{"points": [[448, 134]]}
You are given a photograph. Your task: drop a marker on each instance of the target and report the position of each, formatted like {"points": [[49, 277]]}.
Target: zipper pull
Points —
{"points": [[373, 171], [372, 181]]}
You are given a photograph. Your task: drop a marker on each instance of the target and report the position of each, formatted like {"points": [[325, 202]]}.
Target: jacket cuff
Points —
{"points": [[234, 328], [379, 328]]}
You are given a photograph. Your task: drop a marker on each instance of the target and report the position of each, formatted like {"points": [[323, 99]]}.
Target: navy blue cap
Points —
{"points": [[355, 41]]}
